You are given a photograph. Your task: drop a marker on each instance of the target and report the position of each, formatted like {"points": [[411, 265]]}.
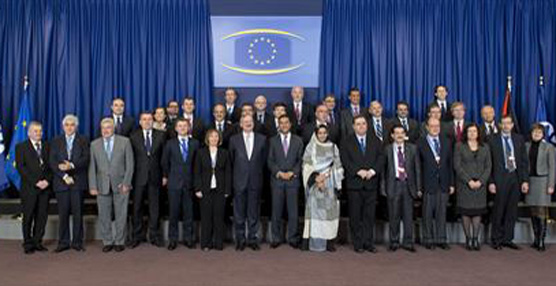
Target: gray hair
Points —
{"points": [[70, 118], [33, 124]]}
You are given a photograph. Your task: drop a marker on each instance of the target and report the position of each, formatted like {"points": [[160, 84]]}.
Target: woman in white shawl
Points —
{"points": [[322, 179]]}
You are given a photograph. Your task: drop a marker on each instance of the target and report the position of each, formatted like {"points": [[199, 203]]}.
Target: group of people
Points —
{"points": [[323, 153]]}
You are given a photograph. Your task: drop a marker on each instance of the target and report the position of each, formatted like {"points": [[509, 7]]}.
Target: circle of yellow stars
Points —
{"points": [[258, 41]]}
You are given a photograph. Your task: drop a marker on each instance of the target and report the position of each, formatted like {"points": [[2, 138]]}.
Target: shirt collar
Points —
{"points": [[181, 138]]}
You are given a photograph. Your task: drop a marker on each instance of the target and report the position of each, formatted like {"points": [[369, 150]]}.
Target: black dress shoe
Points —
{"points": [[79, 248], [107, 248], [189, 244], [475, 244], [496, 246], [255, 246], [157, 243], [274, 245], [294, 245], [172, 245], [61, 248], [409, 248], [371, 249], [240, 246], [119, 248], [429, 246], [330, 247], [41, 248], [511, 245], [134, 244], [444, 246], [393, 247], [29, 250]]}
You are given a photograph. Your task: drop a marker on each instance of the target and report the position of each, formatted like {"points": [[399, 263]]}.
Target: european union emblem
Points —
{"points": [[263, 51]]}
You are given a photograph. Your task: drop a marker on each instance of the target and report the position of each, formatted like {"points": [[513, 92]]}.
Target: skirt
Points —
{"points": [[538, 195]]}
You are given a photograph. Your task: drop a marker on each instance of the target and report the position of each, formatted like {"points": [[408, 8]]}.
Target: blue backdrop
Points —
{"points": [[400, 49], [79, 54]]}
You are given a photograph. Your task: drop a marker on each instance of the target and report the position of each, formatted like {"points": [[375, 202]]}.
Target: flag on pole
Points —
{"points": [[507, 105], [19, 135], [541, 115], [4, 183]]}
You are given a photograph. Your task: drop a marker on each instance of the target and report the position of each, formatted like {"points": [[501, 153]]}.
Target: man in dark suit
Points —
{"points": [[378, 125], [285, 156], [321, 118], [488, 128], [147, 144], [363, 162], [31, 159], [456, 127], [248, 152], [435, 153], [225, 128], [272, 126], [177, 167], [69, 161], [247, 109], [124, 124], [173, 112], [401, 182], [348, 113], [196, 125], [261, 115], [440, 98], [330, 103], [510, 175], [233, 111], [410, 125], [299, 111]]}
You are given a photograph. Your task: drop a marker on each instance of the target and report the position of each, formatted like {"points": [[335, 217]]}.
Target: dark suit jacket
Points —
{"points": [[127, 126], [447, 115], [279, 162], [178, 172], [385, 128], [436, 176], [197, 131], [353, 160], [267, 119], [450, 130], [229, 130], [80, 156], [203, 171], [29, 167], [414, 129], [499, 173], [147, 167], [333, 132], [248, 173], [233, 117], [346, 121], [412, 169], [307, 116], [484, 137]]}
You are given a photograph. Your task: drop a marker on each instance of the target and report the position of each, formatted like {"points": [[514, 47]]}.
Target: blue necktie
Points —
{"points": [[437, 147], [108, 148], [184, 150], [510, 164], [362, 146], [69, 145]]}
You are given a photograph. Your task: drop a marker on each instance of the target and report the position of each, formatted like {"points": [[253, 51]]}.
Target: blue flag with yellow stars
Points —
{"points": [[19, 135]]}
